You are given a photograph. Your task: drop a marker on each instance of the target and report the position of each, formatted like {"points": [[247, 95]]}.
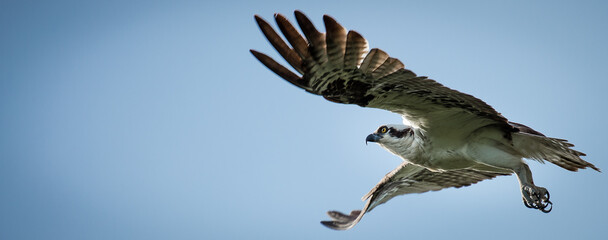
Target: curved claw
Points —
{"points": [[544, 202], [527, 204], [547, 204], [540, 203]]}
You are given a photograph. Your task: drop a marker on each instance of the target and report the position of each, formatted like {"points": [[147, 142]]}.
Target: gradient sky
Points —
{"points": [[151, 120]]}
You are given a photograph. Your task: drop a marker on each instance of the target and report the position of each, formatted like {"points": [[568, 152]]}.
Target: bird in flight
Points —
{"points": [[450, 139]]}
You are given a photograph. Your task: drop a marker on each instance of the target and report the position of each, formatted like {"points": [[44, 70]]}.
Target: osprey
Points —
{"points": [[451, 139]]}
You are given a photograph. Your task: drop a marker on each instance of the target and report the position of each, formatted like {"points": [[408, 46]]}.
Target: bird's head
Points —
{"points": [[391, 134]]}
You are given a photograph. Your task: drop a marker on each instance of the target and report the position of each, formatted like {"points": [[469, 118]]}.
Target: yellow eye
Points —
{"points": [[383, 129]]}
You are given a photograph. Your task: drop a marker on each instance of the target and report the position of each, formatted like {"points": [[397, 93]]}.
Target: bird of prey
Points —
{"points": [[451, 139]]}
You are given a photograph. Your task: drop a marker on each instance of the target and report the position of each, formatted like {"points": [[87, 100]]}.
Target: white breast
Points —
{"points": [[418, 150]]}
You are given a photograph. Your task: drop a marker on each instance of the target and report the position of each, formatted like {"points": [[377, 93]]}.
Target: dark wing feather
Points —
{"points": [[335, 65], [316, 39], [356, 47], [286, 52], [296, 40], [336, 41], [405, 179]]}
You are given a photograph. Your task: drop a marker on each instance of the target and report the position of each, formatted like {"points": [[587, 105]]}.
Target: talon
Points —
{"points": [[550, 205], [537, 198], [527, 204]]}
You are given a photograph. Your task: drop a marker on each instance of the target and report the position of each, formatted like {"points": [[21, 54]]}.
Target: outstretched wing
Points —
{"points": [[405, 179], [336, 65]]}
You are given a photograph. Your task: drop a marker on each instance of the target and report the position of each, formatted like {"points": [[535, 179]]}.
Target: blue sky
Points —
{"points": [[151, 120]]}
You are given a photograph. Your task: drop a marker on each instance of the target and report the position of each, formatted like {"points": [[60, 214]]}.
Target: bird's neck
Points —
{"points": [[408, 148]]}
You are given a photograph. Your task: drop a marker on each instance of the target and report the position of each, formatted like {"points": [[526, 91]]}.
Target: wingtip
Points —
{"points": [[327, 18], [261, 21], [331, 224], [299, 15], [355, 34], [303, 20], [254, 52], [260, 56], [278, 68], [278, 15], [258, 19], [331, 25]]}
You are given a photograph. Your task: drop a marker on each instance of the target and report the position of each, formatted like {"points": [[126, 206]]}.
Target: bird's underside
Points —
{"points": [[454, 140]]}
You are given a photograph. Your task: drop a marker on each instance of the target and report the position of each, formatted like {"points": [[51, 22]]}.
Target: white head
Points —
{"points": [[392, 136]]}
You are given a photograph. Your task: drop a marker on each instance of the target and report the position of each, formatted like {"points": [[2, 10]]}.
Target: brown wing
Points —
{"points": [[336, 65], [405, 179]]}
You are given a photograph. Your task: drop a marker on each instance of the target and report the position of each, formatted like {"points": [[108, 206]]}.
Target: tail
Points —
{"points": [[534, 145]]}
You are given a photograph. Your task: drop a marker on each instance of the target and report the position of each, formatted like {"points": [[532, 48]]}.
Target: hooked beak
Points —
{"points": [[372, 138]]}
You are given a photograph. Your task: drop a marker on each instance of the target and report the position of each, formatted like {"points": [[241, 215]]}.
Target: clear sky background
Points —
{"points": [[151, 120]]}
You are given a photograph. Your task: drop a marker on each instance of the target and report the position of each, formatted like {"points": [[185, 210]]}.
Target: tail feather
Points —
{"points": [[553, 150]]}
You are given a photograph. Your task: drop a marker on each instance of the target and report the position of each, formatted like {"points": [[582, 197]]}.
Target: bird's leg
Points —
{"points": [[533, 196]]}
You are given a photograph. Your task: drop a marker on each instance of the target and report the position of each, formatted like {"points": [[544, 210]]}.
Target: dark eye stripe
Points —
{"points": [[399, 134]]}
